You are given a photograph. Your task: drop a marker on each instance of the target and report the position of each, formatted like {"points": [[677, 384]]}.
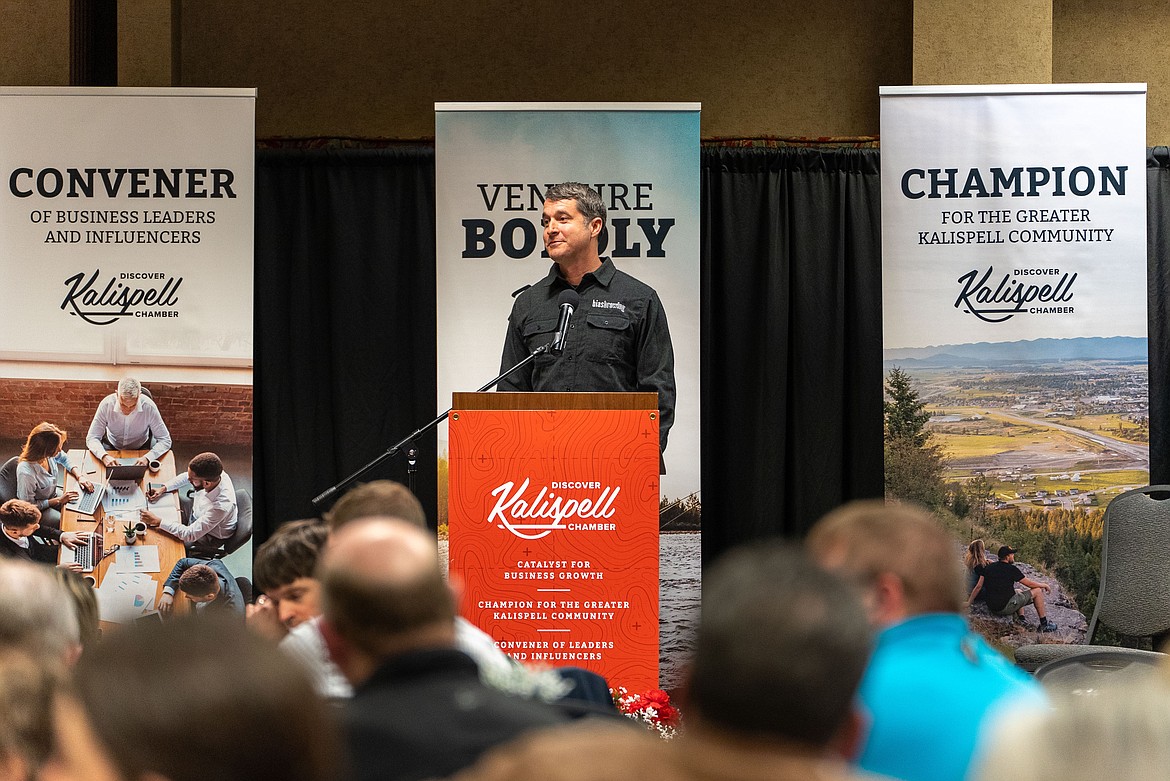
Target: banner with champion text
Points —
{"points": [[1014, 298], [126, 247], [493, 164]]}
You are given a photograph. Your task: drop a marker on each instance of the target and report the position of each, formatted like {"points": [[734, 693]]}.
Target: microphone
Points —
{"points": [[568, 301]]}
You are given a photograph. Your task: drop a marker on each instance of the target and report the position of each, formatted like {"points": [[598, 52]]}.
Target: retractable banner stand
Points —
{"points": [[494, 163], [126, 234], [1014, 266]]}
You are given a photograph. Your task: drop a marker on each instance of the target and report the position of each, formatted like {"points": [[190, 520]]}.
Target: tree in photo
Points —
{"points": [[914, 464]]}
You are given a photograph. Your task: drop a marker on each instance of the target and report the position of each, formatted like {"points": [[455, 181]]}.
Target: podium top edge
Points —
{"points": [[540, 401]]}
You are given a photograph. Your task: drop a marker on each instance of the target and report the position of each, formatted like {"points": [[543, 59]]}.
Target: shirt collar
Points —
{"points": [[603, 275]]}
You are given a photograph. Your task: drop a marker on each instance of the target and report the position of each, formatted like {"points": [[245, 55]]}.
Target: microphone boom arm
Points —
{"points": [[329, 495]]}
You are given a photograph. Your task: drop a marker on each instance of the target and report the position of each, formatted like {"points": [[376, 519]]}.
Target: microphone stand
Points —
{"points": [[329, 495]]}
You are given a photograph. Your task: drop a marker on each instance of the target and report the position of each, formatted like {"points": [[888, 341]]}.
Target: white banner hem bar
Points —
{"points": [[522, 106], [163, 92], [1011, 89]]}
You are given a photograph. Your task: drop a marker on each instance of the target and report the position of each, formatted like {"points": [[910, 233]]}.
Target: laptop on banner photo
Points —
{"points": [[88, 556], [87, 502], [125, 477]]}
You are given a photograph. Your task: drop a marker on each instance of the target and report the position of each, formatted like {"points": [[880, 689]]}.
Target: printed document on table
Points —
{"points": [[136, 558], [123, 597], [166, 510]]}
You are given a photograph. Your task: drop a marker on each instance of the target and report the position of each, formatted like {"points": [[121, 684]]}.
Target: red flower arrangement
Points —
{"points": [[652, 708]]}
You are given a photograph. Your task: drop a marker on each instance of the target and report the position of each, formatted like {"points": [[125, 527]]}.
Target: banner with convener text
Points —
{"points": [[493, 165], [1014, 295], [126, 249]]}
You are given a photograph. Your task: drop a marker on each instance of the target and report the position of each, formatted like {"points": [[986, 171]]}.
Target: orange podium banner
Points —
{"points": [[553, 531]]}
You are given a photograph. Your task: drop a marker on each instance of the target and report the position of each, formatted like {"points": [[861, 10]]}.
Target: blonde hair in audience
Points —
{"points": [[868, 538]]}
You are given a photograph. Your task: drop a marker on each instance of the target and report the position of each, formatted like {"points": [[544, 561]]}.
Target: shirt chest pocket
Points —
{"points": [[609, 337], [538, 332]]}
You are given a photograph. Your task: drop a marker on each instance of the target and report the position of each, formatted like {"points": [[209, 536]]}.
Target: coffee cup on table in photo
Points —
{"points": [[154, 466], [90, 581]]}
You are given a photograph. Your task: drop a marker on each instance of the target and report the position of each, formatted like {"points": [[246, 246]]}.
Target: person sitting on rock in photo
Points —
{"points": [[998, 580], [975, 558]]}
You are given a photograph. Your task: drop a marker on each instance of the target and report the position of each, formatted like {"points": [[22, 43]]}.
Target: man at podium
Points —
{"points": [[616, 337]]}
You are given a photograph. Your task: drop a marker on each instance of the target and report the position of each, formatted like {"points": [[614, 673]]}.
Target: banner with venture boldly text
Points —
{"points": [[1014, 297], [493, 164]]}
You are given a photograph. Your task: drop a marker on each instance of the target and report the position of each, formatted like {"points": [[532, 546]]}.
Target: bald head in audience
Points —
{"points": [[383, 593]]}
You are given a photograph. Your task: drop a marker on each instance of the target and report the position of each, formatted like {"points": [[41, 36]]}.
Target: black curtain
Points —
{"points": [[791, 280], [791, 324], [345, 320]]}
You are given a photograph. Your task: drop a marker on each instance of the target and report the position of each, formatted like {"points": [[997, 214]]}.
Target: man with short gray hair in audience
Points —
{"points": [[933, 686], [419, 709]]}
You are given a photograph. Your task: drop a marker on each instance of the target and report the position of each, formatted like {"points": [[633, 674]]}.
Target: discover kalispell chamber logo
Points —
{"points": [[522, 514], [1031, 291], [104, 300]]}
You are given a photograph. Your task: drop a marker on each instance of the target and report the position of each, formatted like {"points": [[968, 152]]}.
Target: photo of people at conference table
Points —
{"points": [[135, 501]]}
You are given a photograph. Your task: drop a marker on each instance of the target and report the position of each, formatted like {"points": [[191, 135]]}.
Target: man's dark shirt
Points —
{"points": [[999, 579], [618, 340], [426, 714]]}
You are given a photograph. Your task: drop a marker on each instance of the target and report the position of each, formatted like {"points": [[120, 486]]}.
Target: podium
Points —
{"points": [[553, 527]]}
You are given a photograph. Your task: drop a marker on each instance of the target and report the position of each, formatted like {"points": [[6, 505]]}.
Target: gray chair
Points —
{"points": [[8, 479], [1133, 598], [1085, 675], [243, 531]]}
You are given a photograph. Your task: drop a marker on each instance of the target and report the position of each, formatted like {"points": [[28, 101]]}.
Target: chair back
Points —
{"points": [[8, 479], [1134, 595], [243, 531], [1102, 668]]}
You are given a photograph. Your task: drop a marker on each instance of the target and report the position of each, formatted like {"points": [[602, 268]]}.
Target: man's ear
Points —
{"points": [[889, 598], [595, 226], [850, 737]]}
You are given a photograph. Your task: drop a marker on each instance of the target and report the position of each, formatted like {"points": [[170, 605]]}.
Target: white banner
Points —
{"points": [[1014, 293], [1013, 213], [493, 164], [126, 223]]}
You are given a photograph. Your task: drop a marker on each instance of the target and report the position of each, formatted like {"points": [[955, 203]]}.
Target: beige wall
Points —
{"points": [[1116, 41], [34, 43], [374, 68]]}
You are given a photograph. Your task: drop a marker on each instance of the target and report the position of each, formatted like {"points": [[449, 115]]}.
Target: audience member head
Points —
{"points": [[976, 555], [36, 615], [775, 628], [589, 202], [899, 554], [285, 569], [1116, 732], [383, 593], [199, 583], [44, 441], [589, 750], [191, 701], [85, 605], [377, 499], [206, 466], [27, 688]]}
